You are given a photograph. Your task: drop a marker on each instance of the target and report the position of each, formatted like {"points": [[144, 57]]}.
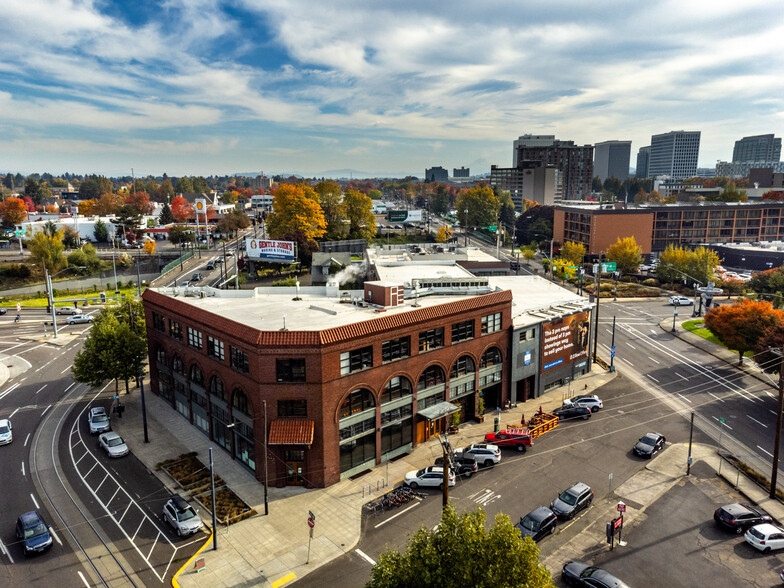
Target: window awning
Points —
{"points": [[291, 432], [438, 411]]}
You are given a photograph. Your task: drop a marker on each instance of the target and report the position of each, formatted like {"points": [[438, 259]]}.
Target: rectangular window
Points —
{"points": [[462, 331], [396, 349], [175, 330], [215, 348], [491, 323], [290, 370], [194, 338], [358, 359], [158, 322], [432, 339], [292, 408], [239, 360]]}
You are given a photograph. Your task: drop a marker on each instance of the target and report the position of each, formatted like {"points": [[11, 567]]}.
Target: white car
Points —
{"points": [[181, 516], [431, 476], [113, 445], [98, 420], [66, 310], [79, 318], [6, 432], [681, 301], [591, 401], [765, 537]]}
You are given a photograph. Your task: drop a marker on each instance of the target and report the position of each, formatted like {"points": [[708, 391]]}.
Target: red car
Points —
{"points": [[510, 438]]}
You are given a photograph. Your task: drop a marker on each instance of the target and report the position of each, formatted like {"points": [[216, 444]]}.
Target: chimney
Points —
{"points": [[333, 288]]}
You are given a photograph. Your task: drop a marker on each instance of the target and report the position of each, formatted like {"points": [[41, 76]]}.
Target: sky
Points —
{"points": [[203, 87]]}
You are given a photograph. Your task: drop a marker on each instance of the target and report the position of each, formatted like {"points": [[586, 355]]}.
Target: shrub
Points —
{"points": [[15, 270], [290, 281], [650, 282]]}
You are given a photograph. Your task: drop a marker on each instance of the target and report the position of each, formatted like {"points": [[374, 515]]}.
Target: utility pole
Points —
{"points": [[774, 474], [691, 435], [445, 483], [612, 348], [144, 406], [212, 494], [51, 301], [597, 295], [266, 505]]}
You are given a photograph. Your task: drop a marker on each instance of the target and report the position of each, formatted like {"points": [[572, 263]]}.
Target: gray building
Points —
{"points": [[611, 159], [529, 180], [742, 169], [674, 154], [463, 172], [575, 162], [436, 174], [757, 148], [643, 162]]}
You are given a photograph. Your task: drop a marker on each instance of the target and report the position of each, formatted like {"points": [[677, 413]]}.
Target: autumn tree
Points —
{"points": [[375, 194], [181, 209], [331, 201], [443, 235], [108, 204], [449, 554], [230, 197], [296, 208], [482, 205], [165, 191], [773, 195], [730, 193], [766, 353], [741, 326], [768, 282], [149, 247], [141, 202], [626, 254], [70, 237], [680, 264], [14, 211], [87, 208], [47, 250], [359, 212], [573, 253]]}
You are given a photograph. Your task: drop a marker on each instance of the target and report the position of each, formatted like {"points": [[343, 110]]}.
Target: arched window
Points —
{"points": [[216, 388], [432, 376], [161, 355], [239, 402], [177, 365], [490, 357], [196, 376], [357, 401], [396, 387], [464, 365]]}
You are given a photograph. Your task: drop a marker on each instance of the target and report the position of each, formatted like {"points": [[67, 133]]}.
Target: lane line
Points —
{"points": [[41, 388], [716, 397], [722, 423], [6, 552], [686, 399], [365, 556], [652, 378], [396, 515], [630, 346], [65, 370], [27, 439], [15, 411], [69, 387], [81, 575], [47, 408], [56, 538], [653, 360], [35, 502], [756, 421], [765, 450], [627, 361], [23, 472], [681, 377]]}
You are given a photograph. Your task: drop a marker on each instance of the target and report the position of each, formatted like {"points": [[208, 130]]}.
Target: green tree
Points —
{"points": [[94, 187], [200, 185], [70, 237], [596, 184], [482, 205], [49, 228], [331, 201], [87, 257], [165, 217], [100, 231], [165, 191], [439, 203], [730, 193], [47, 251], [375, 194], [184, 186], [768, 282], [449, 556], [626, 254], [529, 253], [359, 212], [742, 325], [180, 234], [613, 185], [31, 190]]}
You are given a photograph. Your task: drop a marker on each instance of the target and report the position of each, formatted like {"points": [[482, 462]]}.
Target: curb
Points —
{"points": [[174, 582]]}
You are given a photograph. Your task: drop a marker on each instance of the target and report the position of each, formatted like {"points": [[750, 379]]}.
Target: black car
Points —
{"points": [[32, 531], [3, 311], [649, 445], [464, 466], [572, 412], [572, 500], [740, 517], [576, 573], [537, 523]]}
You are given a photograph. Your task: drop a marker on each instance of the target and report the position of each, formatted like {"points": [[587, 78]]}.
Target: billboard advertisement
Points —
{"points": [[565, 341], [404, 216], [269, 250]]}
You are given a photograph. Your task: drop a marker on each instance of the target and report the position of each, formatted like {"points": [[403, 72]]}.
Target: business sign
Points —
{"points": [[404, 216], [565, 341], [201, 205], [527, 358], [269, 250]]}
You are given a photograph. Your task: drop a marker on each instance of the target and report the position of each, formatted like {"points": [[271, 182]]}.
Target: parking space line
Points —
{"points": [[137, 531], [396, 515], [81, 575], [27, 439], [65, 370], [41, 388], [154, 543], [365, 556], [127, 508], [56, 538], [764, 450], [47, 408], [95, 465], [23, 472], [113, 495], [102, 481], [35, 502], [85, 454], [756, 421]]}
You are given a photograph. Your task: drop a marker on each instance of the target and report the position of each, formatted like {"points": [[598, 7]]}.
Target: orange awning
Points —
{"points": [[291, 432]]}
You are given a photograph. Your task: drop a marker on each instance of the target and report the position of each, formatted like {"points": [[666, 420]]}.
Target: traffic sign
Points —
{"points": [[612, 351], [617, 523], [493, 227], [608, 266], [621, 507], [311, 515], [311, 523]]}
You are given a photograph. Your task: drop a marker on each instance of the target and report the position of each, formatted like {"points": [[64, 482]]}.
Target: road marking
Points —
{"points": [[65, 370], [394, 516], [756, 421], [681, 377], [774, 412], [686, 399], [652, 378], [764, 450], [56, 538], [653, 360], [47, 408], [41, 388], [154, 543], [630, 346], [27, 439], [81, 575], [69, 387], [365, 556], [716, 397], [284, 580], [35, 502], [9, 390], [723, 423], [23, 472], [770, 394], [6, 552], [627, 361], [15, 411]]}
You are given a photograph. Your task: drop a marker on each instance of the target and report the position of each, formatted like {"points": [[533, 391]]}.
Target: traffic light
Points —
{"points": [[48, 309], [103, 296]]}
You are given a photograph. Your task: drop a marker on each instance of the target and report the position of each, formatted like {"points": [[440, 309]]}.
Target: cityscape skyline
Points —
{"points": [[210, 88]]}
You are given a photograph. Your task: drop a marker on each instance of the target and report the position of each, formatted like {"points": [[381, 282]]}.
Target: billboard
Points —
{"points": [[404, 216], [269, 250], [565, 341]]}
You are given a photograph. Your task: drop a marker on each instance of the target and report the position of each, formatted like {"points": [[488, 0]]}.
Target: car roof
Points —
{"points": [[579, 487], [31, 518], [768, 529], [540, 513], [179, 502], [5, 422], [110, 435], [97, 410]]}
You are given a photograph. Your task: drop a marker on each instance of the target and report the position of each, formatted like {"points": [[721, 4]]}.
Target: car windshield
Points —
{"points": [[420, 473], [756, 533], [38, 529], [568, 498], [648, 440], [114, 442], [100, 418], [529, 523], [186, 514], [4, 430], [588, 572]]}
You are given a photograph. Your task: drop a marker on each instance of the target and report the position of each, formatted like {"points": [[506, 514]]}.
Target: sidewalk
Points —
{"points": [[266, 549]]}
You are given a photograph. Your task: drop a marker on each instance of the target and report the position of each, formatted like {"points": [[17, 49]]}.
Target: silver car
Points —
{"points": [[98, 420], [79, 318], [6, 433], [66, 310], [113, 445], [181, 516]]}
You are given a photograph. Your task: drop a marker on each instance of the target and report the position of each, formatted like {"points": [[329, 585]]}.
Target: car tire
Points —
{"points": [[441, 486], [468, 474], [521, 448], [552, 530], [488, 463], [766, 550], [594, 409], [586, 417], [739, 530], [413, 485]]}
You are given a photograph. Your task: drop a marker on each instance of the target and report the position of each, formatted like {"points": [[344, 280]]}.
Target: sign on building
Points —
{"points": [[404, 216], [269, 250], [565, 341]]}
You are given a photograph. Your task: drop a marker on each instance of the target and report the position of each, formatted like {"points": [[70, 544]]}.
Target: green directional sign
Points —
{"points": [[608, 266], [493, 227]]}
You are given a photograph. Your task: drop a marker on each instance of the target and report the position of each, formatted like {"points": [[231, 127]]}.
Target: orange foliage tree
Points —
{"points": [[14, 210], [742, 325], [149, 247], [296, 208], [87, 207], [108, 204], [140, 201], [181, 210], [773, 195]]}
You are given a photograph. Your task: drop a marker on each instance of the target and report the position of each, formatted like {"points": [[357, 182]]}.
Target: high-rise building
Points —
{"points": [[575, 162], [529, 180], [436, 174], [674, 154], [463, 172], [643, 162], [742, 169], [611, 159], [757, 148]]}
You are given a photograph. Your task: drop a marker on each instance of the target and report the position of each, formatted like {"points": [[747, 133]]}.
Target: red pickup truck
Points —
{"points": [[516, 438]]}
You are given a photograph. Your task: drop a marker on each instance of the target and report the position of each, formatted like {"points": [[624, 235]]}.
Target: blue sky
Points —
{"points": [[206, 87]]}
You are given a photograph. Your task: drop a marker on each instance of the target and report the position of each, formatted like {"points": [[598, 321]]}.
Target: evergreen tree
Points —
{"points": [[166, 217]]}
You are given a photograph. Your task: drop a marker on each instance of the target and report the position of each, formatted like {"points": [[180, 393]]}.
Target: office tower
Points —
{"points": [[611, 159], [463, 172], [643, 162], [757, 148], [529, 180], [436, 174], [674, 154], [575, 162]]}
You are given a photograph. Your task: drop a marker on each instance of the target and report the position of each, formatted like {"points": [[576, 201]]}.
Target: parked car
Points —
{"points": [[6, 432], [79, 319], [185, 283], [572, 500], [591, 401], [567, 412], [66, 310], [485, 454], [576, 573], [211, 265], [98, 420], [465, 466], [765, 537], [3, 311], [113, 445], [649, 445], [181, 516], [431, 476], [740, 517], [196, 277], [32, 530], [537, 524], [516, 438], [681, 301]]}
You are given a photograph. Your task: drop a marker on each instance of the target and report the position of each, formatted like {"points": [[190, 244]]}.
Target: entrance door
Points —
{"points": [[295, 463]]}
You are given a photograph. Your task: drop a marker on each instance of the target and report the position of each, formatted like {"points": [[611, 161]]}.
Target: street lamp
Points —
{"points": [[674, 316], [465, 227], [50, 295]]}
